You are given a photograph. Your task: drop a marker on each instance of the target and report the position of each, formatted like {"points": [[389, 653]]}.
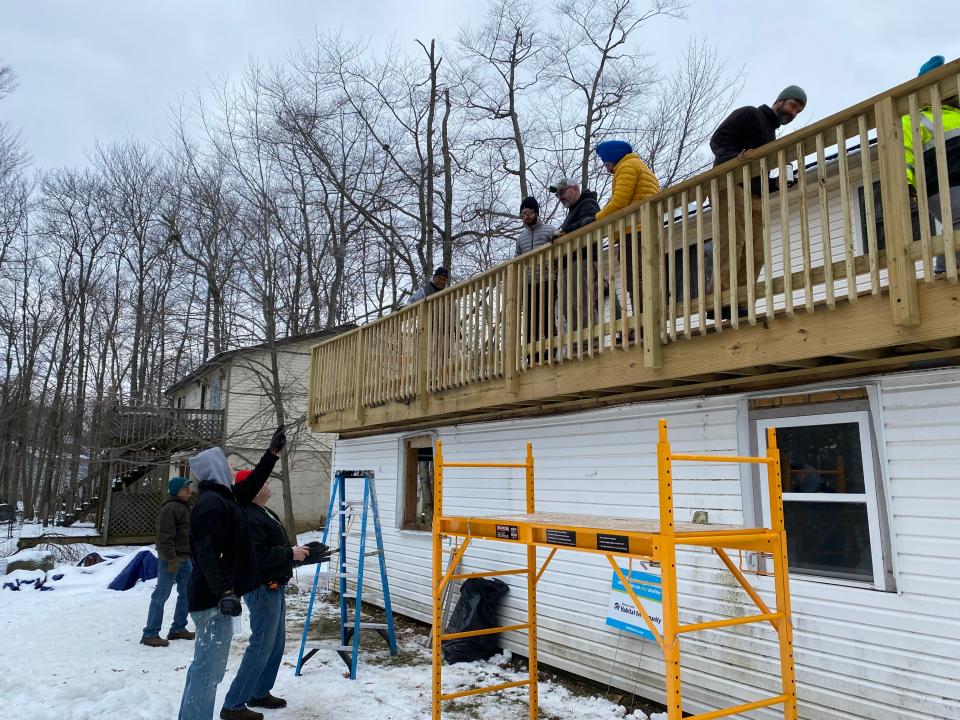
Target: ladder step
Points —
{"points": [[367, 625], [372, 553]]}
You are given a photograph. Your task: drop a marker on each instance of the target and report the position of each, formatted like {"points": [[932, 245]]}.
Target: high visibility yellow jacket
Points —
{"points": [[632, 181], [951, 132]]}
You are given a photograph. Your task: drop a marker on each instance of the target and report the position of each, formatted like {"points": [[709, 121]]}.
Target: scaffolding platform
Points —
{"points": [[621, 539]]}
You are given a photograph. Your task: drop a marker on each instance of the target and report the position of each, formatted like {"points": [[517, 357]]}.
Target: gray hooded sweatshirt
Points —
{"points": [[212, 465]]}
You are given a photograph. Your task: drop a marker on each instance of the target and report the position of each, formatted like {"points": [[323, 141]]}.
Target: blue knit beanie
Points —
{"points": [[931, 64], [176, 484], [612, 151]]}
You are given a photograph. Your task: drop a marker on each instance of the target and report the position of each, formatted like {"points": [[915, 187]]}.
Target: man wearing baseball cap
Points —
{"points": [[173, 552], [582, 209]]}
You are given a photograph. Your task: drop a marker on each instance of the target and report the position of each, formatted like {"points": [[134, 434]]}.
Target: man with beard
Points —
{"points": [[746, 129]]}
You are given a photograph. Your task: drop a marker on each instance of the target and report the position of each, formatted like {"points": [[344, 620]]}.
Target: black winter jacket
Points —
{"points": [[271, 545], [582, 212], [220, 542], [746, 128]]}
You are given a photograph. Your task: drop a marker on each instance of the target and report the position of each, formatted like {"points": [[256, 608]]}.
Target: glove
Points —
{"points": [[278, 440], [172, 566], [230, 605], [318, 552]]}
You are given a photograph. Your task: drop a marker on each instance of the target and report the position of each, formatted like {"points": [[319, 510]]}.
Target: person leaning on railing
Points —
{"points": [[743, 130], [951, 132], [434, 285], [632, 182]]}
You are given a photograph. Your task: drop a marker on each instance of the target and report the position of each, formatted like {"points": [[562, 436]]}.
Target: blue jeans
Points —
{"points": [[261, 660], [210, 652], [165, 582]]}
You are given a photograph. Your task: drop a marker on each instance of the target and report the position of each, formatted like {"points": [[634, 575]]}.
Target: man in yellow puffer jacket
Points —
{"points": [[632, 182]]}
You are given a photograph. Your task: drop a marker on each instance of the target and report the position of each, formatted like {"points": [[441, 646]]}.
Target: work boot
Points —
{"points": [[271, 702], [154, 641], [241, 714], [181, 635]]}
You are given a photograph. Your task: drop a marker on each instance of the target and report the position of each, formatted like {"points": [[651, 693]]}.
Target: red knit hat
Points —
{"points": [[241, 476]]}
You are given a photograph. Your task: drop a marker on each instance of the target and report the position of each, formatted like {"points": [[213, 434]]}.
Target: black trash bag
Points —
{"points": [[475, 610]]}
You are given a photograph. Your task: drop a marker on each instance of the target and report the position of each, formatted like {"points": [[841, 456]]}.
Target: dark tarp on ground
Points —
{"points": [[144, 566]]}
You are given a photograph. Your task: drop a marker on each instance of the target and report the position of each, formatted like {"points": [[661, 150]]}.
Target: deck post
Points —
{"points": [[897, 226]]}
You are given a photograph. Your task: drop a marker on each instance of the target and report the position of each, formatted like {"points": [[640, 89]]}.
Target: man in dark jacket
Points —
{"points": [[225, 568], [746, 129], [267, 606], [434, 285], [540, 295], [173, 552], [582, 209]]}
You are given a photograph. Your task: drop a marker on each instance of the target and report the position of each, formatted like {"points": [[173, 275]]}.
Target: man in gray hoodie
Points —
{"points": [[225, 568]]}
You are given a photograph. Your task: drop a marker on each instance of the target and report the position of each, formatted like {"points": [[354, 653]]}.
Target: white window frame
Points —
{"points": [[870, 480]]}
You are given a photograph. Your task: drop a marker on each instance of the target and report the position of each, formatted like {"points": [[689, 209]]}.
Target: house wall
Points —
{"points": [[860, 652]]}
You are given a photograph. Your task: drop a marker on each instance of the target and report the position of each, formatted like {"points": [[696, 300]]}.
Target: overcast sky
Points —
{"points": [[98, 69]]}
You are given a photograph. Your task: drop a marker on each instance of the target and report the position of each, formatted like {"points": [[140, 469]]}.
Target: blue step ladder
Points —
{"points": [[349, 648]]}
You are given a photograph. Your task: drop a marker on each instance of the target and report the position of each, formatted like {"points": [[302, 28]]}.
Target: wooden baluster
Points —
{"points": [[943, 181], [849, 241], [623, 328], [635, 250], [866, 171], [701, 265], [920, 182], [731, 250], [671, 271], [749, 230], [651, 287], [767, 220], [826, 241], [685, 262], [785, 233], [511, 328], [805, 230]]}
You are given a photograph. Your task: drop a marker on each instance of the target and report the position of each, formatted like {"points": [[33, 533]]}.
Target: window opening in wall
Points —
{"points": [[215, 385], [830, 494], [418, 483], [203, 396]]}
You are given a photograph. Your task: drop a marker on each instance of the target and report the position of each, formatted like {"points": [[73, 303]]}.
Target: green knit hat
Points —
{"points": [[793, 92]]}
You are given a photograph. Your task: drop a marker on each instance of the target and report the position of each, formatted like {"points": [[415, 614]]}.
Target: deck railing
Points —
{"points": [[661, 271]]}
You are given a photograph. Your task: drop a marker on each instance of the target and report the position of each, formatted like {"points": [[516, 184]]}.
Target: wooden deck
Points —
{"points": [[839, 289]]}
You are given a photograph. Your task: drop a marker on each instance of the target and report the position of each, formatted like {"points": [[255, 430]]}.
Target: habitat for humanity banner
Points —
{"points": [[623, 614]]}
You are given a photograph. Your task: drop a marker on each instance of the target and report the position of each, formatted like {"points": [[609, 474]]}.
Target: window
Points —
{"points": [[203, 396], [832, 498], [417, 496], [215, 385]]}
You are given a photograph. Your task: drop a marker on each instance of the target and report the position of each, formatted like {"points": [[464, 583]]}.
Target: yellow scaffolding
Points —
{"points": [[652, 540]]}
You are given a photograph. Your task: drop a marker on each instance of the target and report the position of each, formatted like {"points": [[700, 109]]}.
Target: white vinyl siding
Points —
{"points": [[860, 653]]}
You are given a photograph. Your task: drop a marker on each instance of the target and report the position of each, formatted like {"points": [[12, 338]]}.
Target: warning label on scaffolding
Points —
{"points": [[613, 543], [561, 537], [507, 532], [623, 614]]}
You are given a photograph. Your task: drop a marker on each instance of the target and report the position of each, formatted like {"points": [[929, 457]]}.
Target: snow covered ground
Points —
{"points": [[74, 654]]}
